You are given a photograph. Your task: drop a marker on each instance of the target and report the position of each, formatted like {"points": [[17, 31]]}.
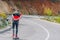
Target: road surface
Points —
{"points": [[33, 28]]}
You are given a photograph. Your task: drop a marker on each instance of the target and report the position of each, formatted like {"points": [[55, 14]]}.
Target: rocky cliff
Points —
{"points": [[33, 7]]}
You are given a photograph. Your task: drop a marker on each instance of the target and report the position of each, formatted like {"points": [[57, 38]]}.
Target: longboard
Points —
{"points": [[16, 39]]}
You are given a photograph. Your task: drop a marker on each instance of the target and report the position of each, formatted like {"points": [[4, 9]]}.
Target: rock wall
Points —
{"points": [[4, 7], [34, 7]]}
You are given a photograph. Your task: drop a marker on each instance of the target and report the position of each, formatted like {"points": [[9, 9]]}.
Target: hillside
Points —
{"points": [[33, 7]]}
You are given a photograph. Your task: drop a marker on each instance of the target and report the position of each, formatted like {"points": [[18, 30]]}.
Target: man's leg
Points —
{"points": [[13, 26], [16, 29]]}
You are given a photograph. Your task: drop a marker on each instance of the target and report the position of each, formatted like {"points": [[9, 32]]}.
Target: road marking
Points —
{"points": [[44, 29]]}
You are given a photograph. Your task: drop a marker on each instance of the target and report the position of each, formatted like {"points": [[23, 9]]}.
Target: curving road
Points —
{"points": [[33, 28]]}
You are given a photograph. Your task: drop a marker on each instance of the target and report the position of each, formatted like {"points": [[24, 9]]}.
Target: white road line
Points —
{"points": [[44, 29]]}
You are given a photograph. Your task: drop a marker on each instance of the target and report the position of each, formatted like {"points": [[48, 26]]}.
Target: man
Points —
{"points": [[15, 18]]}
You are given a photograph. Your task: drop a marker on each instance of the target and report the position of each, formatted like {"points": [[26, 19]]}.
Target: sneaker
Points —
{"points": [[13, 35]]}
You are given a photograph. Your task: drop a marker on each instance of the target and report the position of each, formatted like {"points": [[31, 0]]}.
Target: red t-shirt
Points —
{"points": [[16, 17]]}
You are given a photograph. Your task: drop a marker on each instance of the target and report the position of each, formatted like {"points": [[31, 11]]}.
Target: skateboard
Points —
{"points": [[16, 39]]}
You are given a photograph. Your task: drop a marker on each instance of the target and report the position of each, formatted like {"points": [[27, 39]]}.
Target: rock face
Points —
{"points": [[33, 7], [4, 7]]}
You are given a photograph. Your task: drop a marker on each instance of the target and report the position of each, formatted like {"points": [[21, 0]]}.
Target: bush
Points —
{"points": [[47, 11], [3, 18], [3, 15], [57, 19], [53, 19]]}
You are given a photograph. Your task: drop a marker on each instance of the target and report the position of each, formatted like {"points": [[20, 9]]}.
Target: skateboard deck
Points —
{"points": [[16, 39]]}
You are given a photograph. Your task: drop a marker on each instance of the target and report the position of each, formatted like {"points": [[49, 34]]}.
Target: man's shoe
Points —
{"points": [[13, 35], [17, 37]]}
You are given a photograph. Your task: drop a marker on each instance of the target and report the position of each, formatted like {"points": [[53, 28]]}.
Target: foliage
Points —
{"points": [[57, 19], [3, 15], [3, 21], [53, 19], [47, 11]]}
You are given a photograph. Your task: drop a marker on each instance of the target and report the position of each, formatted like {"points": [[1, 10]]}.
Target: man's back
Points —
{"points": [[16, 16]]}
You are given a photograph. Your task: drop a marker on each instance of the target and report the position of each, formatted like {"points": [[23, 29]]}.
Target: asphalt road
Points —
{"points": [[33, 28]]}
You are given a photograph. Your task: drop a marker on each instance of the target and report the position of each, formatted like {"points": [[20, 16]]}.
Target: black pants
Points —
{"points": [[15, 25]]}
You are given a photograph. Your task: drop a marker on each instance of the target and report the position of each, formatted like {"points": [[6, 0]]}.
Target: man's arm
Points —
{"points": [[20, 14]]}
